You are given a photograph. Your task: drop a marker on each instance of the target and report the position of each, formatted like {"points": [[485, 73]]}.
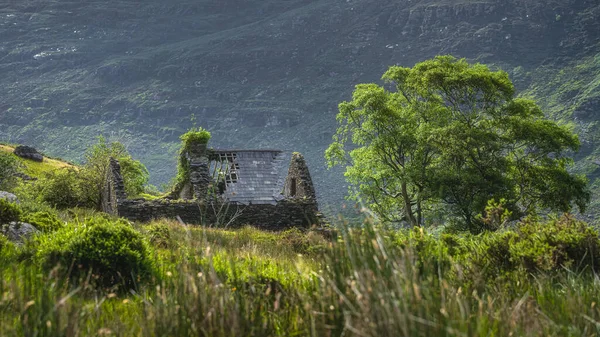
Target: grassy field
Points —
{"points": [[36, 169], [368, 282]]}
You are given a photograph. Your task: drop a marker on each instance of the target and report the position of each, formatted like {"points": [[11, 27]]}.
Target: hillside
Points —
{"points": [[36, 169], [267, 73]]}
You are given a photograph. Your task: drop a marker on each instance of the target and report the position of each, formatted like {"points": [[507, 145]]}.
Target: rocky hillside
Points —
{"points": [[267, 73]]}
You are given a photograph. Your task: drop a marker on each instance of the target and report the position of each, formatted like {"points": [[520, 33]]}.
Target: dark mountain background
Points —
{"points": [[268, 73]]}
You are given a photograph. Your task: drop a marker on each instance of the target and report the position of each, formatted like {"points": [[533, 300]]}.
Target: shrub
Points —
{"points": [[565, 242], [135, 175], [9, 212], [93, 173], [488, 256], [193, 136], [429, 252], [114, 252], [44, 221], [9, 166], [59, 188], [532, 248], [295, 239], [3, 242], [199, 135], [159, 235], [7, 252]]}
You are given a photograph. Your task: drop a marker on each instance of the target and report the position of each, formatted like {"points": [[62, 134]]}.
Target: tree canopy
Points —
{"points": [[93, 173], [451, 135]]}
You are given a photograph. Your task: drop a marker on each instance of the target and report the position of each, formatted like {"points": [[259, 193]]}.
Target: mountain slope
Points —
{"points": [[37, 169], [266, 73]]}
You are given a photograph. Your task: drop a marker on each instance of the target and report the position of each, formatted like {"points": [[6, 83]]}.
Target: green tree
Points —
{"points": [[453, 134], [93, 172]]}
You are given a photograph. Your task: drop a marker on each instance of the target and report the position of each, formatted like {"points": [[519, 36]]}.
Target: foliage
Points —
{"points": [[495, 215], [193, 136], [7, 254], [453, 134], [9, 211], [9, 166], [68, 186], [135, 175], [561, 243], [44, 221], [532, 248], [151, 192], [114, 252], [3, 243], [377, 281], [62, 188], [159, 235]]}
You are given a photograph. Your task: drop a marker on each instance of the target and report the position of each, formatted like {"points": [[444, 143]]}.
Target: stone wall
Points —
{"points": [[298, 183], [114, 188], [298, 210], [285, 214], [198, 177]]}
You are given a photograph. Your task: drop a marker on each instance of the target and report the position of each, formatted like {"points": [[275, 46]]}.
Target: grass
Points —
{"points": [[247, 282], [37, 169]]}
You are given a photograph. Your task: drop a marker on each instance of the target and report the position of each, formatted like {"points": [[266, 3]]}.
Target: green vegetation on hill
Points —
{"points": [[63, 185], [33, 168], [258, 73]]}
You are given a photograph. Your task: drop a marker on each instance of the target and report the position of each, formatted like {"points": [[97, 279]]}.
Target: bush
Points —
{"points": [[44, 221], [7, 252], [9, 212], [565, 242], [195, 135], [159, 235], [114, 252], [59, 189], [92, 174], [3, 242], [9, 166], [135, 175], [429, 251], [487, 257], [533, 247]]}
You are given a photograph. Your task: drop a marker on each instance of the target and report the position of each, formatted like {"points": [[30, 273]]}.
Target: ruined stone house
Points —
{"points": [[226, 188]]}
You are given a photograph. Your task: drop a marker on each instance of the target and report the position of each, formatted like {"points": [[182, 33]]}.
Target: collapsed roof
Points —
{"points": [[250, 176]]}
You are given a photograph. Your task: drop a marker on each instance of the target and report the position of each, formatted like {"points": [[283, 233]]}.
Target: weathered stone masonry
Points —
{"points": [[229, 188], [284, 214]]}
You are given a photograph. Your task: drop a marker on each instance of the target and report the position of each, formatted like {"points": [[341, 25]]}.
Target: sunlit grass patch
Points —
{"points": [[37, 169]]}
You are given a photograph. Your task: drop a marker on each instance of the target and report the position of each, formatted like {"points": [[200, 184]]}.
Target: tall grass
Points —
{"points": [[253, 283]]}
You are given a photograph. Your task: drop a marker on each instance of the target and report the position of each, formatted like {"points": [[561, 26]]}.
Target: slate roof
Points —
{"points": [[258, 176]]}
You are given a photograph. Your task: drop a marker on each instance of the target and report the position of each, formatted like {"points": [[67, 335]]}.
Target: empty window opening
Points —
{"points": [[231, 178], [293, 187], [225, 169]]}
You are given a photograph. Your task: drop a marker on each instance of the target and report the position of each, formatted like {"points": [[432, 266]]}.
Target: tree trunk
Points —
{"points": [[408, 207], [419, 213]]}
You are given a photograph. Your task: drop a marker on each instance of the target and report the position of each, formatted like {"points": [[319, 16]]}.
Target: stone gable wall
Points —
{"points": [[114, 188], [298, 183]]}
